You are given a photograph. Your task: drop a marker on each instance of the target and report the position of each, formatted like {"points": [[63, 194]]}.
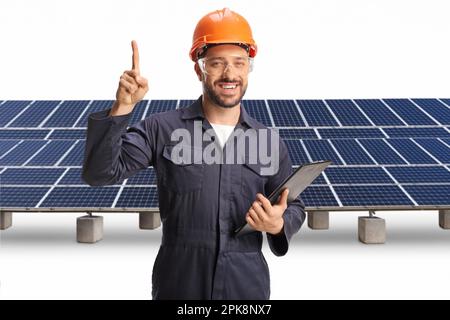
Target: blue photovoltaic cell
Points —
{"points": [[381, 151], [35, 114], [30, 176], [285, 113], [97, 105], [66, 115], [11, 109], [72, 177], [6, 145], [296, 153], [315, 196], [378, 112], [416, 132], [438, 149], [357, 175], [410, 151], [138, 197], [348, 113], [80, 197], [157, 106], [446, 101], [20, 134], [321, 150], [257, 109], [436, 109], [319, 180], [185, 103], [429, 194], [68, 134], [75, 156], [351, 152], [22, 152], [138, 112], [409, 112], [13, 197], [316, 113], [297, 134], [371, 196], [51, 153], [143, 177], [341, 133], [433, 174]]}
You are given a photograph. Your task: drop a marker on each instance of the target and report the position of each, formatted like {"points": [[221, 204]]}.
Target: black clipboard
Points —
{"points": [[298, 181]]}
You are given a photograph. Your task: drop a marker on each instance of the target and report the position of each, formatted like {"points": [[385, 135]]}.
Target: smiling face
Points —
{"points": [[224, 88]]}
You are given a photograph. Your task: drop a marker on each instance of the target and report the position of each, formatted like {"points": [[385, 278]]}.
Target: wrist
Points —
{"points": [[120, 109]]}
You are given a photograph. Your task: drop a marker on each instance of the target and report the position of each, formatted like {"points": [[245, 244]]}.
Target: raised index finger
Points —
{"points": [[135, 66]]}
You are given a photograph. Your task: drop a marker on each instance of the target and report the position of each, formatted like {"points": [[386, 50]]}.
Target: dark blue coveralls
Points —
{"points": [[200, 205]]}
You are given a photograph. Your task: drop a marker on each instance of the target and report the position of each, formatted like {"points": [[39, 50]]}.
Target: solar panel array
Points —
{"points": [[387, 154]]}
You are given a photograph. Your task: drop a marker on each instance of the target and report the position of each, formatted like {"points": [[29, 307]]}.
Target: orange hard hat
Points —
{"points": [[220, 27]]}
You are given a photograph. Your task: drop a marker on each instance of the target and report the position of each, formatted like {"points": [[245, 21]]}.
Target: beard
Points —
{"points": [[217, 99]]}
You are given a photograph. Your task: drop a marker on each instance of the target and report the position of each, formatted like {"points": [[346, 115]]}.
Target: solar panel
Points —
{"points": [[430, 195], [321, 150], [436, 148], [410, 151], [285, 113], [348, 113], [95, 106], [297, 134], [316, 113], [81, 197], [14, 196], [35, 114], [257, 109], [381, 195], [409, 112], [381, 152], [351, 133], [67, 114], [51, 153], [139, 197], [20, 134], [386, 153], [30, 176], [10, 109], [416, 132], [351, 152], [379, 113], [436, 109], [434, 174], [358, 175], [22, 152], [68, 134]]}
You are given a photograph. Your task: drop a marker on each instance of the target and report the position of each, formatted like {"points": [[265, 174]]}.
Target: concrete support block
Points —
{"points": [[5, 220], [319, 220], [371, 230], [444, 219], [89, 229], [149, 220]]}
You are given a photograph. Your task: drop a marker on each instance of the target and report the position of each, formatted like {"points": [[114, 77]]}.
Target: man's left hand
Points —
{"points": [[263, 216]]}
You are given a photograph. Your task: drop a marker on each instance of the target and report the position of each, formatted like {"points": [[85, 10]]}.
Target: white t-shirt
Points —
{"points": [[223, 132]]}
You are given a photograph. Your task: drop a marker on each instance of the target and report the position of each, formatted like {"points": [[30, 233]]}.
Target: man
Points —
{"points": [[202, 204]]}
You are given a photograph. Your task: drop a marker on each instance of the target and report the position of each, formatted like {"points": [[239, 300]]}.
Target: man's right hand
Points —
{"points": [[132, 87]]}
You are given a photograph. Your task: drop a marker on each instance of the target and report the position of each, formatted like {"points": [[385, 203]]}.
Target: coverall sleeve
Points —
{"points": [[294, 215], [114, 153]]}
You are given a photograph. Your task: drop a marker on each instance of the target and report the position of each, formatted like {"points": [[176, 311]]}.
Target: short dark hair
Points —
{"points": [[202, 51]]}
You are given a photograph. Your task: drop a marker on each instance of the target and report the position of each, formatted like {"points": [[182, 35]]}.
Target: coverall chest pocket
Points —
{"points": [[253, 181], [180, 174]]}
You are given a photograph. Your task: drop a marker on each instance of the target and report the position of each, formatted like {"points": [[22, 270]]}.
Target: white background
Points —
{"points": [[307, 49]]}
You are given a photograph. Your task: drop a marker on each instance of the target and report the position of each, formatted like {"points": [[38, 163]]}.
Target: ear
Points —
{"points": [[198, 72]]}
